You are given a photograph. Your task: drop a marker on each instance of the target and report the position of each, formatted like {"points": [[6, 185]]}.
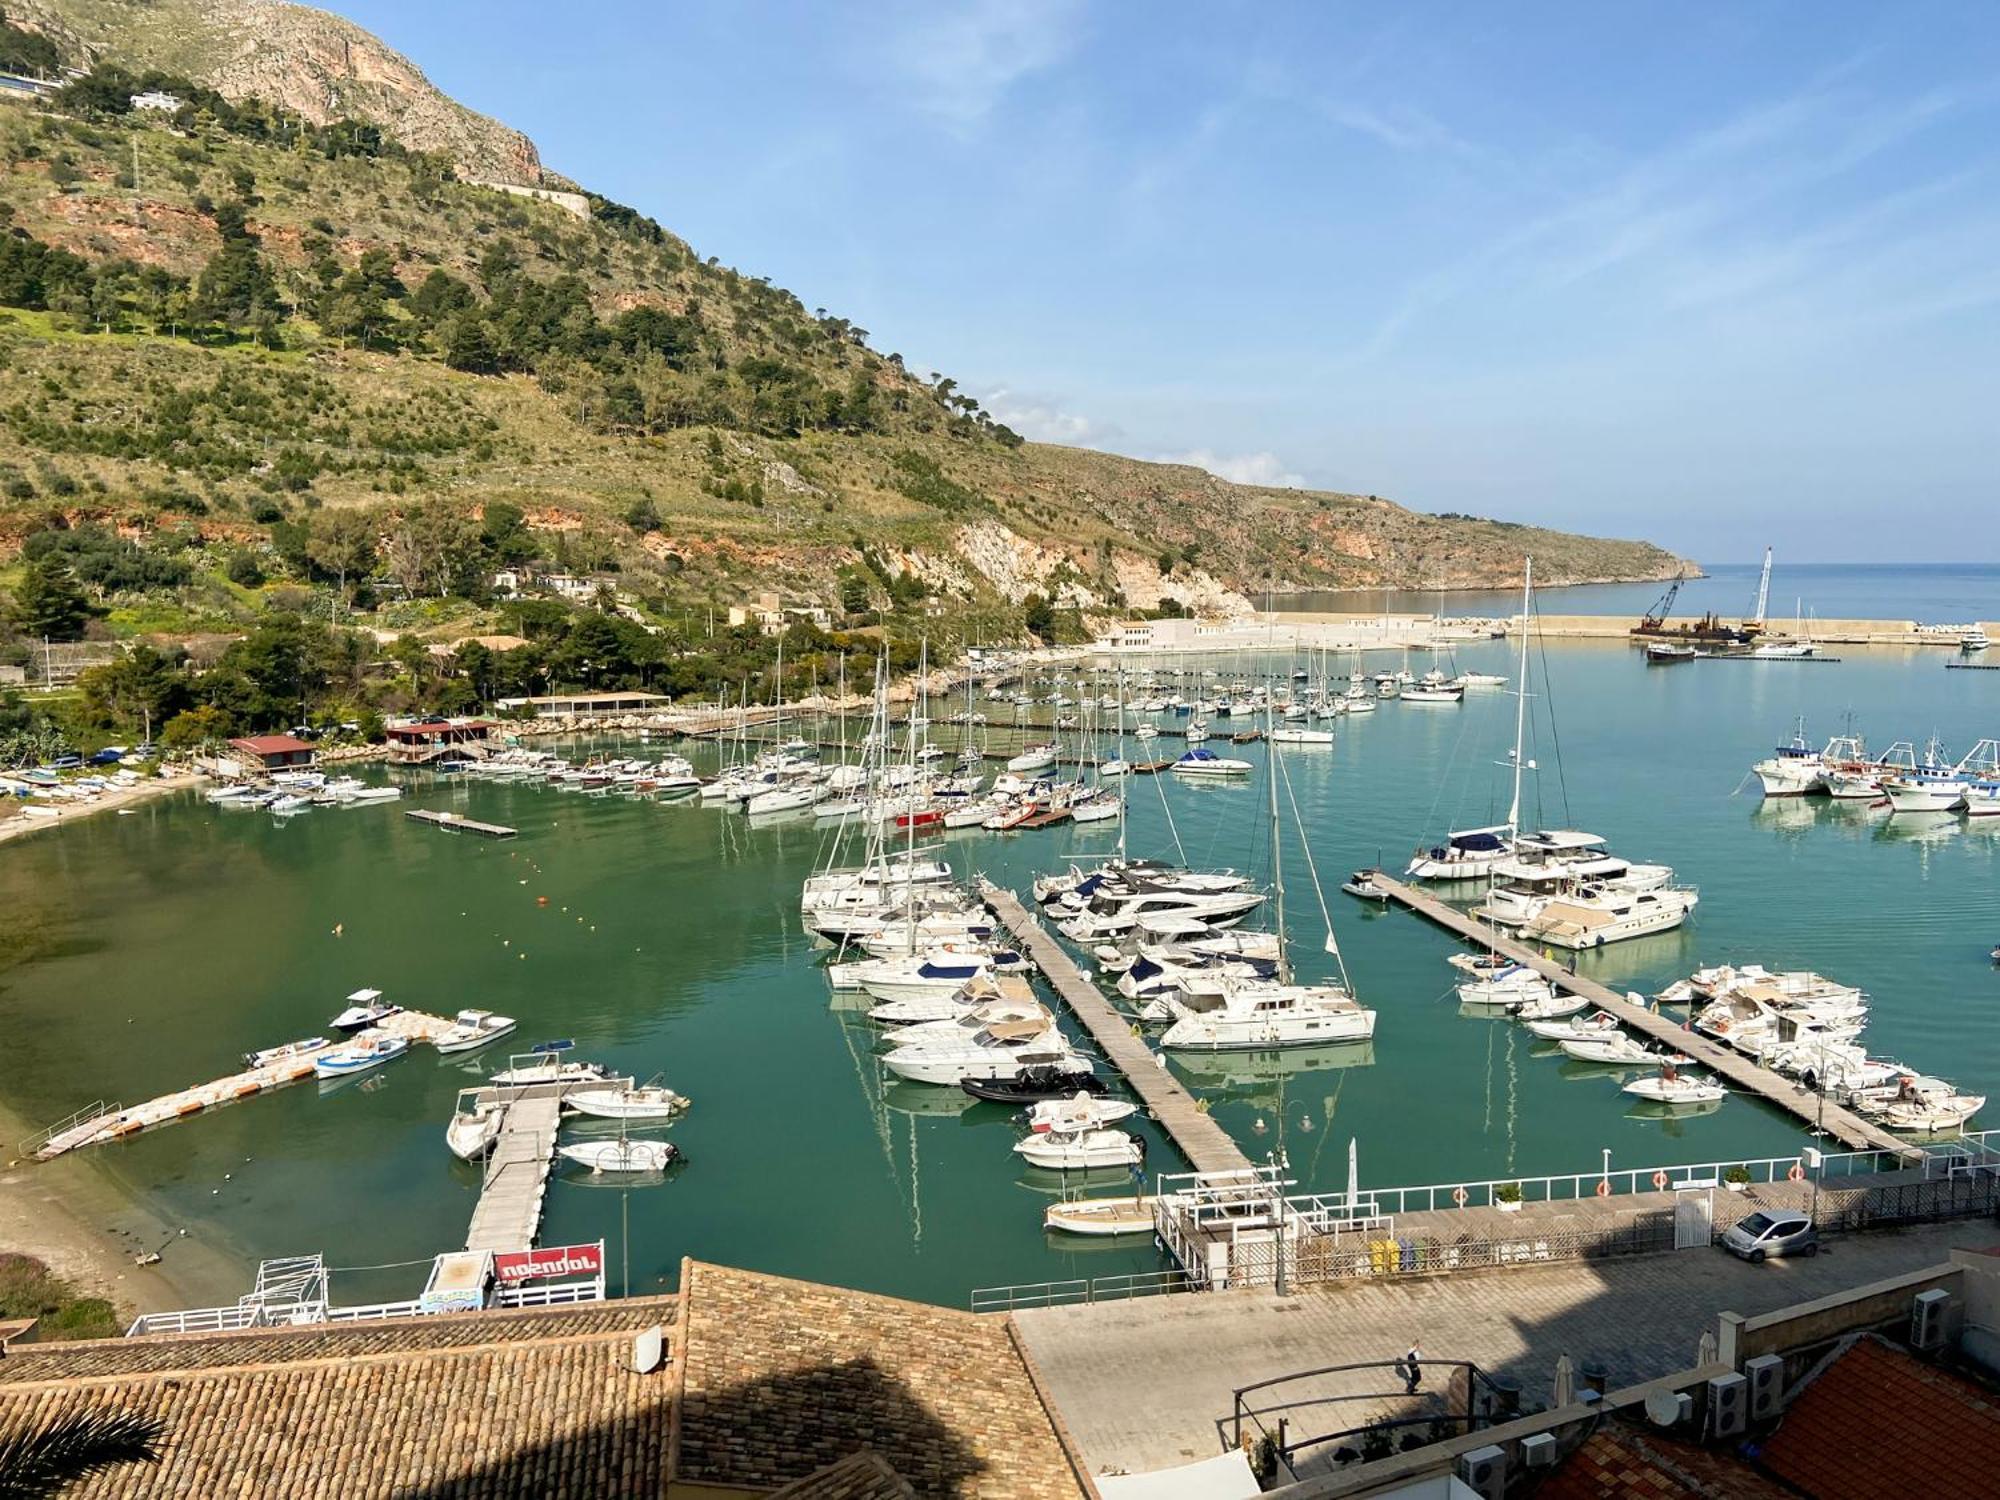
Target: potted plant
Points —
{"points": [[1736, 1179], [1507, 1197]]}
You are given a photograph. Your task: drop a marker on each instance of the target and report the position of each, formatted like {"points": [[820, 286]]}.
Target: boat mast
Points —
{"points": [[1521, 700], [1125, 774], [1277, 842], [1763, 589]]}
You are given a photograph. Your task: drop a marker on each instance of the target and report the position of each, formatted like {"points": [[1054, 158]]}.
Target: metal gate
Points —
{"points": [[1694, 1220]]}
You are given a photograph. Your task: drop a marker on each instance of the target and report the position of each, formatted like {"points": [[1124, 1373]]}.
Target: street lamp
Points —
{"points": [[1606, 1178]]}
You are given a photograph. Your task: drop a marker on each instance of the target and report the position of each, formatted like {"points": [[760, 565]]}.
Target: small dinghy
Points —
{"points": [[364, 1052], [1362, 883], [1601, 1023], [1078, 1111], [303, 1048], [637, 1155], [1033, 1084], [1670, 1086], [474, 1028], [1070, 1150], [473, 1131], [651, 1102], [1102, 1216], [364, 1008]]}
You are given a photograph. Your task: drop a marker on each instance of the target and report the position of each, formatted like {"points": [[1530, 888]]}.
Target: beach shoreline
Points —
{"points": [[19, 825], [72, 1216]]}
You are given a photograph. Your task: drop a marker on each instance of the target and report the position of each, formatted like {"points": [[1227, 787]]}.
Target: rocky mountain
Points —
{"points": [[218, 325], [308, 61]]}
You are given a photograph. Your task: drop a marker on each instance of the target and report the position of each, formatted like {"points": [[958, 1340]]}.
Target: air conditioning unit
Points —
{"points": [[1539, 1450], [1484, 1472], [1728, 1406], [1927, 1315], [1766, 1374]]}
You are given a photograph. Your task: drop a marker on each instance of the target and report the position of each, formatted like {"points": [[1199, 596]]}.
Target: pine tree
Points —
{"points": [[48, 605]]}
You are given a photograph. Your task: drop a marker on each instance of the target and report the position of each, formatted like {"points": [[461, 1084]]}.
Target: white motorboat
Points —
{"points": [[1034, 758], [1600, 1023], [1290, 736], [1671, 1086], [1617, 1048], [647, 1102], [1974, 640], [1554, 1007], [290, 1052], [1235, 1014], [1074, 1150], [368, 1050], [1002, 1050], [1591, 919], [474, 1127], [364, 1009], [1103, 1217], [624, 1155], [1208, 763], [969, 1023], [944, 970], [471, 1029], [1079, 1111]]}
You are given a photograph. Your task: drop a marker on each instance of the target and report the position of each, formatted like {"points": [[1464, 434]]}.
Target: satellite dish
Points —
{"points": [[1663, 1408], [649, 1349]]}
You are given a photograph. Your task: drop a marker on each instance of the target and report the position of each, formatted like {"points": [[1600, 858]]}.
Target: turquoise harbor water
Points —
{"points": [[150, 950]]}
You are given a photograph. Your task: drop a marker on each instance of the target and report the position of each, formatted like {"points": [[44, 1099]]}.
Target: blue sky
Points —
{"points": [[1714, 275]]}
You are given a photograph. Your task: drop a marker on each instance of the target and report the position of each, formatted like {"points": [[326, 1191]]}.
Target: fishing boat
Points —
{"points": [[471, 1029], [647, 1102], [291, 1051], [364, 1008], [633, 1155], [1082, 1150], [1790, 770], [1103, 1216], [1208, 763], [1671, 1086], [368, 1050], [1667, 653], [474, 1126]]}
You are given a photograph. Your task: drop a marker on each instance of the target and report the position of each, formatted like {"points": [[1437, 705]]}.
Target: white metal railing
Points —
{"points": [[549, 1296], [198, 1320], [406, 1309], [1571, 1185], [1033, 1294], [93, 1111]]}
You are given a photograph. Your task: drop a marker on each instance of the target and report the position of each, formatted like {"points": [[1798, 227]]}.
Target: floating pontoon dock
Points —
{"points": [[1732, 1067], [452, 822]]}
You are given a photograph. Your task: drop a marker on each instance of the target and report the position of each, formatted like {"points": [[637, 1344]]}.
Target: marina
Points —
{"points": [[657, 932]]}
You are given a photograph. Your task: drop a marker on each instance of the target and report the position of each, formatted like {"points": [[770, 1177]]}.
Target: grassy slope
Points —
{"points": [[504, 438]]}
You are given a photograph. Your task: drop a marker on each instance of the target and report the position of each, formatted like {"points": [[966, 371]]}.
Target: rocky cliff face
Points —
{"points": [[323, 67]]}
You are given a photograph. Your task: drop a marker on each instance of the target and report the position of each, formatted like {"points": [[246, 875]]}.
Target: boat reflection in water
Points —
{"points": [[925, 1099], [1232, 1073]]}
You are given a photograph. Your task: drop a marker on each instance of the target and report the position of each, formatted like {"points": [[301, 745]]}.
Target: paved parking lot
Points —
{"points": [[1147, 1384]]}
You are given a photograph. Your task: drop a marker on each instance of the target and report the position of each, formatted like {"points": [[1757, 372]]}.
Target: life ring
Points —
{"points": [[1659, 1179], [1458, 1196], [1603, 1187], [1795, 1173]]}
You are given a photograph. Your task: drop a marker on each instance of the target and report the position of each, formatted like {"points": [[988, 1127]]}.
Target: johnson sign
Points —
{"points": [[552, 1260]]}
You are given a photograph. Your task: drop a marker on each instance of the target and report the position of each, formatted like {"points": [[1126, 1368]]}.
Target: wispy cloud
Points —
{"points": [[957, 62], [1265, 469], [1047, 419]]}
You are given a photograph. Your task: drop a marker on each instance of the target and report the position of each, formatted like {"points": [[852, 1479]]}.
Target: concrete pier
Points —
{"points": [[1204, 1143], [1732, 1067], [517, 1177]]}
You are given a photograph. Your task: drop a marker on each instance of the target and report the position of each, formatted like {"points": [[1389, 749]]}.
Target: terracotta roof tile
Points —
{"points": [[1622, 1461], [1881, 1422], [861, 1476]]}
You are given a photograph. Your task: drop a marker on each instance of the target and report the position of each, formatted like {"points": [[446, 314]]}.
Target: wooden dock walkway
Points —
{"points": [[1730, 1066], [452, 822], [517, 1176], [1205, 1144]]}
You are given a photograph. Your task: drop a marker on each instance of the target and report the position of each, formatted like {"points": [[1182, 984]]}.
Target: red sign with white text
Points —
{"points": [[552, 1260]]}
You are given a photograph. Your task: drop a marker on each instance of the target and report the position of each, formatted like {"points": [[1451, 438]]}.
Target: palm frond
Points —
{"points": [[39, 1462]]}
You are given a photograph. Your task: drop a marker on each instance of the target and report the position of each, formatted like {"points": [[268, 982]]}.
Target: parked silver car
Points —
{"points": [[1763, 1235]]}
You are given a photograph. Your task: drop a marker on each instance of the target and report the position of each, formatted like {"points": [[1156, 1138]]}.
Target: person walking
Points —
{"points": [[1413, 1369]]}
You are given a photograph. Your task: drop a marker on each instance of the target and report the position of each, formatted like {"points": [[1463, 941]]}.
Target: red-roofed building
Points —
{"points": [[274, 752]]}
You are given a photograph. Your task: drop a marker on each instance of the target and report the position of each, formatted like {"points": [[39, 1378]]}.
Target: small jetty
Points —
{"points": [[452, 822], [1204, 1143], [516, 1181], [100, 1122], [1742, 1074]]}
